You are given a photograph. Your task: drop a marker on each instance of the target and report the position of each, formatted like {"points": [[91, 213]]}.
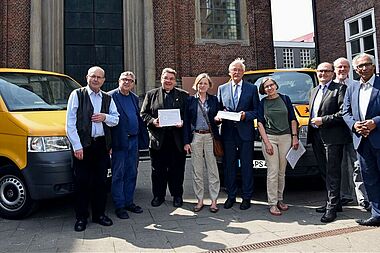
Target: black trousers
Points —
{"points": [[90, 176], [168, 168], [329, 158]]}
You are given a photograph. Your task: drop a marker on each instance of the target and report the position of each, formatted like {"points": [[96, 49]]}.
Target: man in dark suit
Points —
{"points": [[166, 143], [362, 115], [125, 146], [328, 134], [238, 136]]}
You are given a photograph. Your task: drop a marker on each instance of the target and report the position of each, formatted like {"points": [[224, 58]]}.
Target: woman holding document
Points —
{"points": [[277, 125], [199, 131]]}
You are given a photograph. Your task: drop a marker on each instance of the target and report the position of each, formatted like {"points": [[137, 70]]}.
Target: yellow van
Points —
{"points": [[35, 159], [296, 83]]}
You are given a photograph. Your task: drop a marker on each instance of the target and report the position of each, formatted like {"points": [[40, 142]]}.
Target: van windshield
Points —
{"points": [[296, 84], [35, 92]]}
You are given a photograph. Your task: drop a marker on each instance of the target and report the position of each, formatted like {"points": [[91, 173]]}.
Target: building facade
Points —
{"points": [[191, 36], [294, 54], [346, 29]]}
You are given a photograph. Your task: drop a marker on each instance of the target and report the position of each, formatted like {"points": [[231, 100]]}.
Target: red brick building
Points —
{"points": [[347, 28], [191, 36]]}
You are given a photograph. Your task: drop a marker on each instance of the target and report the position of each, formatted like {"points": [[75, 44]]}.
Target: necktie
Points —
{"points": [[236, 95]]}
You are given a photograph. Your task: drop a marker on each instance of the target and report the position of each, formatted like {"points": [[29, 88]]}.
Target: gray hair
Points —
{"points": [[340, 59], [371, 57], [237, 61], [128, 73]]}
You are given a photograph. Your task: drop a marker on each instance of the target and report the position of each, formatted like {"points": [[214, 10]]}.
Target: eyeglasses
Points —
{"points": [[127, 80], [324, 70], [96, 77], [367, 64], [271, 85]]}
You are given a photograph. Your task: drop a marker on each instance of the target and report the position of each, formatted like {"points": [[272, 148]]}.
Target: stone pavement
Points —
{"points": [[169, 229]]}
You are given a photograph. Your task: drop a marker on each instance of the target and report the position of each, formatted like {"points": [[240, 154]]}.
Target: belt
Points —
{"points": [[97, 138], [202, 131]]}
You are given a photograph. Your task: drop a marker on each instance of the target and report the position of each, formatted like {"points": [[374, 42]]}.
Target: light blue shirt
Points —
{"points": [[112, 119]]}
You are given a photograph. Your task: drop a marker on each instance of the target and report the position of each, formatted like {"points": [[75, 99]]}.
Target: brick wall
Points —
{"points": [[15, 33], [175, 40], [330, 25]]}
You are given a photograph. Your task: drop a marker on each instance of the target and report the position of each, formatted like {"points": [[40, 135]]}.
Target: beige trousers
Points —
{"points": [[202, 158], [276, 164]]}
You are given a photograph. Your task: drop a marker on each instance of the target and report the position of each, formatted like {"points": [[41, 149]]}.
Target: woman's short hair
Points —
{"points": [[199, 78], [263, 81]]}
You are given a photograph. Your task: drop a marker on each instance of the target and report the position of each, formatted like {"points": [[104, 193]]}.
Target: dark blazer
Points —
{"points": [[191, 116], [120, 132], [288, 104], [352, 114], [153, 101], [333, 130], [248, 102]]}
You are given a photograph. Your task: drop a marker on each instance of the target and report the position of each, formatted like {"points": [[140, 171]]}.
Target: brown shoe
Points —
{"points": [[282, 206], [274, 211], [214, 209], [197, 208]]}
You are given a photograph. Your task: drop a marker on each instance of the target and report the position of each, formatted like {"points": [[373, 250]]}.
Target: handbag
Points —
{"points": [[217, 144]]}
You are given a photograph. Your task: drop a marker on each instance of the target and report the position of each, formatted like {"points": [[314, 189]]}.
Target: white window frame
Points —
{"points": [[243, 22], [305, 57], [288, 58], [360, 35]]}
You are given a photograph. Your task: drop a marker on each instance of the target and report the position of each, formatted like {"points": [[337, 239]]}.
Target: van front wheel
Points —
{"points": [[15, 200]]}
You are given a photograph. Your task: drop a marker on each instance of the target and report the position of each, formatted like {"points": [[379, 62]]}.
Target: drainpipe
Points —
{"points": [[316, 40]]}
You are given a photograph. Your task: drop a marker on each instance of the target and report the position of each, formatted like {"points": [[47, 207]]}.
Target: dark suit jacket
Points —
{"points": [[248, 102], [333, 130], [153, 101], [120, 132], [191, 116], [352, 114]]}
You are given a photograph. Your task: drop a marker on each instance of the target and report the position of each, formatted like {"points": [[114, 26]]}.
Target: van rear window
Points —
{"points": [[29, 92]]}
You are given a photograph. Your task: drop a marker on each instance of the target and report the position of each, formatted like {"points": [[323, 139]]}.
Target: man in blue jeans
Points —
{"points": [[125, 143]]}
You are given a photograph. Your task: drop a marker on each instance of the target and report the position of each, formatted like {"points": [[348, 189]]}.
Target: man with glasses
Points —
{"points": [[90, 114], [125, 146], [351, 175], [240, 97], [166, 142], [328, 134], [362, 115]]}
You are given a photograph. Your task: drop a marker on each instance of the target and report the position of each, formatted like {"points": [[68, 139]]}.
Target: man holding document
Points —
{"points": [[241, 99], [163, 111]]}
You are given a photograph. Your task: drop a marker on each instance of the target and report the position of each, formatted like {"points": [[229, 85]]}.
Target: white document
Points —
{"points": [[235, 116], [169, 117], [294, 155]]}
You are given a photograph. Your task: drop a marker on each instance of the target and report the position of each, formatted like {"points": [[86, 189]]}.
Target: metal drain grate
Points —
{"points": [[299, 238]]}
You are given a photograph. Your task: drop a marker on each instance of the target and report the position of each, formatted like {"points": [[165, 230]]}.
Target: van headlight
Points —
{"points": [[48, 144]]}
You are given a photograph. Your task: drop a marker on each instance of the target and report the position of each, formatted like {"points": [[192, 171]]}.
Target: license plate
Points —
{"points": [[259, 164]]}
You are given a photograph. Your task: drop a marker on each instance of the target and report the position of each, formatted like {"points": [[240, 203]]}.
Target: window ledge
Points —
{"points": [[222, 42]]}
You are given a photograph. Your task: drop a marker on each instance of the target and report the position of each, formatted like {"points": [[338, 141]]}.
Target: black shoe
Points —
{"points": [[134, 209], [80, 225], [345, 201], [229, 203], [103, 220], [245, 204], [121, 213], [322, 209], [177, 201], [329, 216], [373, 221], [157, 201], [366, 205]]}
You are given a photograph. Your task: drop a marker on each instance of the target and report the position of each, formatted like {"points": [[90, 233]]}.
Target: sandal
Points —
{"points": [[197, 208], [274, 210], [282, 206], [214, 209]]}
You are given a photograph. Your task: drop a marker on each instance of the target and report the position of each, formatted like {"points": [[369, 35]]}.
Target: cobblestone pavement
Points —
{"points": [[169, 229]]}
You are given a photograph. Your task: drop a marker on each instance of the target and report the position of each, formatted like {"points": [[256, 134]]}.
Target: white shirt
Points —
{"points": [[364, 95], [346, 81], [112, 119], [318, 100]]}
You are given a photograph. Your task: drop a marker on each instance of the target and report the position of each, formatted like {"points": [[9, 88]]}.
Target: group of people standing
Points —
{"points": [[101, 125]]}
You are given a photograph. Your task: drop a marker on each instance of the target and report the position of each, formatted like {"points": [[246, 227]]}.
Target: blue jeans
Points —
{"points": [[124, 173]]}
